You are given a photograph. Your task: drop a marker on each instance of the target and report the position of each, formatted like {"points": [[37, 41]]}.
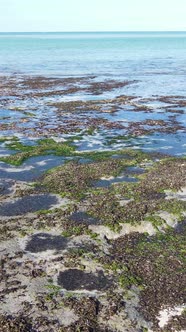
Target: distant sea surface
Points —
{"points": [[156, 59]]}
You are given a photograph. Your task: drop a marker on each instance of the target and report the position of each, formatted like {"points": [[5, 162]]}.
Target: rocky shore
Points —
{"points": [[92, 207]]}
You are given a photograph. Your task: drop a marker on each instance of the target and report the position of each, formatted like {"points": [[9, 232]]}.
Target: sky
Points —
{"points": [[92, 15]]}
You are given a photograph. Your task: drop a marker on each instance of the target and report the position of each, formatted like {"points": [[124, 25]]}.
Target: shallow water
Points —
{"points": [[6, 186], [43, 241], [173, 144], [28, 204], [31, 169], [104, 183], [74, 279], [130, 115], [82, 217]]}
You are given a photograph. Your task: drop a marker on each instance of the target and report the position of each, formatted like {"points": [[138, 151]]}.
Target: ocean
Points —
{"points": [[152, 63], [156, 59]]}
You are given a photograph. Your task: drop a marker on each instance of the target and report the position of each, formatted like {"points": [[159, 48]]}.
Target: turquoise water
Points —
{"points": [[157, 60]]}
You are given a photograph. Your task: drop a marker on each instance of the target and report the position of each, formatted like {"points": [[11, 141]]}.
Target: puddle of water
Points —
{"points": [[28, 204], [91, 142], [6, 152], [135, 170], [173, 144], [104, 183], [91, 145], [31, 169], [181, 227], [6, 187], [75, 279], [82, 217], [137, 116], [12, 114], [43, 241], [182, 118], [122, 156], [84, 160]]}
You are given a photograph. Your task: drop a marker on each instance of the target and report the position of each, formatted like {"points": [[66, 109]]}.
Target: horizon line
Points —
{"points": [[93, 31]]}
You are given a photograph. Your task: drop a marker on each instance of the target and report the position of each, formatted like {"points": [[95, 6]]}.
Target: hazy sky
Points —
{"points": [[92, 15]]}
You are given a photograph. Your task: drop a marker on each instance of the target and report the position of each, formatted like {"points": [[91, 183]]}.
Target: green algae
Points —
{"points": [[48, 146], [174, 207], [53, 291], [156, 221], [43, 212], [43, 147], [19, 146], [30, 114], [4, 139], [118, 138], [73, 230], [129, 154], [127, 280], [75, 179]]}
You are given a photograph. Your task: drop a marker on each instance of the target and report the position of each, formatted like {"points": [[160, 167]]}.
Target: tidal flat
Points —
{"points": [[92, 207]]}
